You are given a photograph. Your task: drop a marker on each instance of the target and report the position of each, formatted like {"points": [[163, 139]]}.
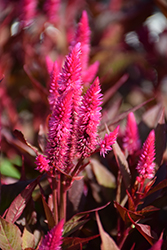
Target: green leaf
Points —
{"points": [[28, 239], [8, 169], [10, 236], [107, 242]]}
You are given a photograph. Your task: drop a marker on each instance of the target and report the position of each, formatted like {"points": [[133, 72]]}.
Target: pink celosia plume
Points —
{"points": [[53, 90], [89, 119], [146, 163], [52, 9], [83, 36], [42, 164], [59, 130], [27, 11], [53, 239], [108, 141], [131, 141]]}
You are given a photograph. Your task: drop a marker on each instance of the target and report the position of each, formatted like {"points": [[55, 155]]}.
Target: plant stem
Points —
{"points": [[63, 201], [55, 200]]}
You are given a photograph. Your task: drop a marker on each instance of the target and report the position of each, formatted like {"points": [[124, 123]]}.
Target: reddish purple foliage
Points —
{"points": [[53, 239], [89, 119], [146, 163], [42, 163], [131, 141], [108, 141]]}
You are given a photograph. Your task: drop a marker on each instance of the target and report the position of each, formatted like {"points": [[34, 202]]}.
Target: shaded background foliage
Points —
{"points": [[129, 39]]}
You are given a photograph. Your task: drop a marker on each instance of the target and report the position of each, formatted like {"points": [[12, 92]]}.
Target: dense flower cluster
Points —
{"points": [[146, 163], [131, 141], [74, 119]]}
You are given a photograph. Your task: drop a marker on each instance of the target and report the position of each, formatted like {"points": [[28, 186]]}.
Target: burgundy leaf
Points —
{"points": [[17, 206]]}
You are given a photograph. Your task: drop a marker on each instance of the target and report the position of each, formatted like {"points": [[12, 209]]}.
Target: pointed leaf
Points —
{"points": [[159, 186], [122, 164], [19, 203], [48, 213], [8, 169], [72, 225], [28, 239], [73, 243], [145, 230], [10, 236], [124, 213], [103, 176], [131, 204], [19, 135], [107, 242]]}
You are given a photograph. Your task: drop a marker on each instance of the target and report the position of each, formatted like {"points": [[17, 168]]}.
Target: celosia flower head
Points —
{"points": [[52, 9], [59, 130], [108, 141], [53, 90], [89, 119], [83, 37], [131, 141], [53, 239], [42, 164], [146, 163], [27, 11]]}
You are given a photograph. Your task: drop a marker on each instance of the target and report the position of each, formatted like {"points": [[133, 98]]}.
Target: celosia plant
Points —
{"points": [[146, 163]]}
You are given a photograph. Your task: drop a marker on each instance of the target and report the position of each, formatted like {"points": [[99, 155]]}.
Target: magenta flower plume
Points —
{"points": [[70, 78], [131, 141], [146, 163], [52, 9], [42, 164], [89, 119], [59, 131], [27, 11], [83, 36], [108, 141], [53, 90], [53, 239]]}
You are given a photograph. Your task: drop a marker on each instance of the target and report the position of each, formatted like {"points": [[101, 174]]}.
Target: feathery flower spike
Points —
{"points": [[53, 239], [52, 8], [27, 11], [108, 141], [146, 163], [59, 131], [53, 91], [83, 36], [70, 78], [131, 141], [89, 119], [42, 164]]}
